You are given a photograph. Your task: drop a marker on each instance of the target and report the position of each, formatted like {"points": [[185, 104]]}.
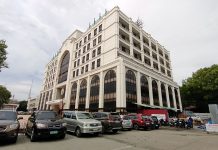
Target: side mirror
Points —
{"points": [[19, 118]]}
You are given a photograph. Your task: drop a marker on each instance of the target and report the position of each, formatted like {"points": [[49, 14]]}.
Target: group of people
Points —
{"points": [[182, 123]]}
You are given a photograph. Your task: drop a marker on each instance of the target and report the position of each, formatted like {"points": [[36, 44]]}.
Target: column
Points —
{"points": [[77, 94], [138, 88], [123, 85], [180, 102], [174, 98], [141, 43], [101, 92], [160, 93], [167, 94], [118, 87], [130, 37], [150, 90], [88, 93]]}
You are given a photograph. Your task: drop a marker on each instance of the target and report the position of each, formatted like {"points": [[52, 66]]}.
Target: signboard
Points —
{"points": [[212, 127]]}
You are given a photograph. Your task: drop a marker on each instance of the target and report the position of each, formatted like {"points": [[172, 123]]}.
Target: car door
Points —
{"points": [[67, 120]]}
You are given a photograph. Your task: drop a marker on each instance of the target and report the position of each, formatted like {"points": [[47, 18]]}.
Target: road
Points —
{"points": [[162, 139]]}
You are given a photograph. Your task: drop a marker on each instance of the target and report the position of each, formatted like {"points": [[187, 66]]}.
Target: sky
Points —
{"points": [[34, 31]]}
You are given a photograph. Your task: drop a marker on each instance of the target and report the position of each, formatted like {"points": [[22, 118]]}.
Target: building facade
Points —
{"points": [[113, 66]]}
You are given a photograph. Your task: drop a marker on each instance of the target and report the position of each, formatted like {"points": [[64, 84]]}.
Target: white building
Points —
{"points": [[113, 66], [33, 103]]}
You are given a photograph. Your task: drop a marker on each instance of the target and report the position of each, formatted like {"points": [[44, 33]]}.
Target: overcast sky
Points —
{"points": [[34, 31]]}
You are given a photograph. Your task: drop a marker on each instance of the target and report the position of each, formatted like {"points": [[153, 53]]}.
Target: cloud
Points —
{"points": [[34, 32]]}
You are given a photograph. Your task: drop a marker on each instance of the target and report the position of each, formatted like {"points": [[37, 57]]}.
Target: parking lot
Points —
{"points": [[162, 139]]}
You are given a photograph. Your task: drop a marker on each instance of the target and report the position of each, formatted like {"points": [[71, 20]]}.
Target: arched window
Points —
{"points": [[177, 99], [155, 93], [73, 96], [144, 90], [171, 97], [64, 68], [131, 96], [82, 96], [94, 94], [110, 91], [163, 92]]}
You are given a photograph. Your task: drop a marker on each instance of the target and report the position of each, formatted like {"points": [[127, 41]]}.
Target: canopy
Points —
{"points": [[154, 106]]}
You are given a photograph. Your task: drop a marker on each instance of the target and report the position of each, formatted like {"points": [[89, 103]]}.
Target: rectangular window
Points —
{"points": [[79, 52], [73, 74], [77, 45], [100, 28], [85, 39], [98, 62], [88, 46], [87, 57], [99, 39], [75, 54], [77, 72], [78, 62], [89, 36], [84, 49], [93, 65], [99, 50], [74, 64], [80, 43], [82, 70], [94, 42], [83, 59], [87, 67], [93, 53], [95, 32]]}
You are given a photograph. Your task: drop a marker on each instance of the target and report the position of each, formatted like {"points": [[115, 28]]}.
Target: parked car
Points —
{"points": [[126, 122], [155, 122], [81, 122], [45, 124], [9, 125], [141, 121], [110, 121]]}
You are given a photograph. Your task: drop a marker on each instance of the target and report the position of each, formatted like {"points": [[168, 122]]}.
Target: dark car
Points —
{"points": [[141, 121], [110, 121], [45, 124], [155, 123], [9, 125]]}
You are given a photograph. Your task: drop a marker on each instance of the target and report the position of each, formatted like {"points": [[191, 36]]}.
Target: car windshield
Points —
{"points": [[8, 115], [84, 116], [46, 115], [154, 118]]}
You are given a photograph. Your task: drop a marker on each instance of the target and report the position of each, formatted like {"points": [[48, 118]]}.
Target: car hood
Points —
{"points": [[49, 121], [89, 121], [7, 122]]}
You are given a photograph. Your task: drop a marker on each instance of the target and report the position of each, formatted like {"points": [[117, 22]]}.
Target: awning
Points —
{"points": [[153, 106], [54, 102]]}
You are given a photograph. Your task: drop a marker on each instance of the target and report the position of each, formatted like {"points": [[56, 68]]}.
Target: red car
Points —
{"points": [[141, 121]]}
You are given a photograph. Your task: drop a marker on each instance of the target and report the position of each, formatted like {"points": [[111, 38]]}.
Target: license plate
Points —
{"points": [[53, 132]]}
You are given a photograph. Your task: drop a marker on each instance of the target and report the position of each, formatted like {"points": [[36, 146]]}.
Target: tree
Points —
{"points": [[22, 106], [4, 95], [201, 89], [3, 54]]}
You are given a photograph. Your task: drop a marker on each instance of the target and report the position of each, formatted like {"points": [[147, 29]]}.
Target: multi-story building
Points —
{"points": [[113, 66]]}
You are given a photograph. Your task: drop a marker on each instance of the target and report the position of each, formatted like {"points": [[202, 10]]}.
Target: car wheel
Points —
{"points": [[96, 134], [135, 126], [62, 136], [33, 136], [103, 130], [114, 131], [14, 140], [78, 132]]}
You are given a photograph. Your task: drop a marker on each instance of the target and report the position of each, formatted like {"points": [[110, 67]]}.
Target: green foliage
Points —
{"points": [[201, 89], [22, 106], [4, 95], [3, 54]]}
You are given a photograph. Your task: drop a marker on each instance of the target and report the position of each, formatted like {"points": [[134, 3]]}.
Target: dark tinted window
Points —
{"points": [[46, 115], [8, 115]]}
